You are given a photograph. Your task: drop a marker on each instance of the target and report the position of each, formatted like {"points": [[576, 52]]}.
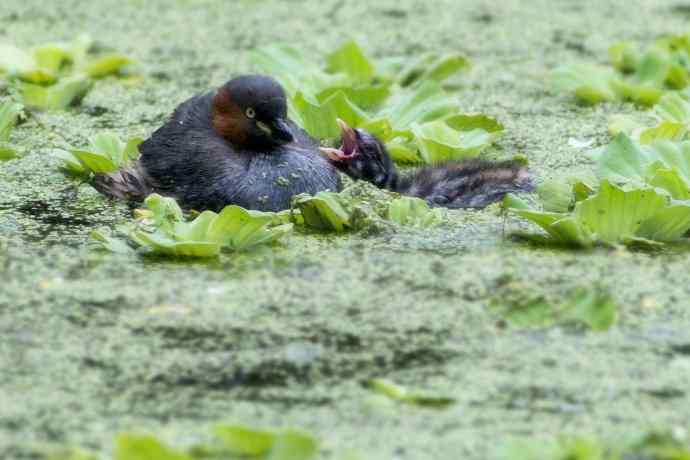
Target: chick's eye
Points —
{"points": [[250, 113]]}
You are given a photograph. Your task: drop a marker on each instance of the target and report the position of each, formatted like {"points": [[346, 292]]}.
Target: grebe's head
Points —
{"points": [[251, 112], [362, 156]]}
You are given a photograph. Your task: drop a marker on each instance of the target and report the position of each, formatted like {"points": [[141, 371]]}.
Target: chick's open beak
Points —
{"points": [[348, 147]]}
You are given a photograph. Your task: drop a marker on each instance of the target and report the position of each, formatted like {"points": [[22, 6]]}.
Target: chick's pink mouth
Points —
{"points": [[348, 147]]}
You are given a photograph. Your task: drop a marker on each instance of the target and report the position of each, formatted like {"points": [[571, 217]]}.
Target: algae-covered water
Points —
{"points": [[94, 344]]}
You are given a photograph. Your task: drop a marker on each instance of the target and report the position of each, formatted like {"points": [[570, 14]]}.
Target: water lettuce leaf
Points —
{"points": [[414, 397], [9, 113], [438, 142], [655, 445], [323, 211], [107, 64], [590, 84], [637, 75], [54, 76], [105, 153], [663, 164], [388, 102], [67, 92], [415, 212], [161, 229], [353, 209], [286, 444], [351, 60], [135, 447], [615, 215]]}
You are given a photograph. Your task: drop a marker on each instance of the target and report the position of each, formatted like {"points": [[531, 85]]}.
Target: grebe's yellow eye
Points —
{"points": [[250, 113]]}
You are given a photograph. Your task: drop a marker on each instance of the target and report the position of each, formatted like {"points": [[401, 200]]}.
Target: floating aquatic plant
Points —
{"points": [[407, 396], [105, 153], [643, 198], [338, 212], [671, 117], [659, 445], [56, 75], [639, 76], [9, 113], [406, 106], [231, 442], [163, 230]]}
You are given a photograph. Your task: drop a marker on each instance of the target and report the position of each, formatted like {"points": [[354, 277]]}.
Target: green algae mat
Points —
{"points": [[451, 340]]}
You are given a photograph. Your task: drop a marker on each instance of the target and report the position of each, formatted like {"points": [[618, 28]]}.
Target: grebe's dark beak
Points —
{"points": [[280, 131], [348, 147]]}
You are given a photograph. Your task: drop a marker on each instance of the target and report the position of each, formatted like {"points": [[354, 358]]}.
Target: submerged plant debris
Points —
{"points": [[402, 102], [522, 307], [414, 397]]}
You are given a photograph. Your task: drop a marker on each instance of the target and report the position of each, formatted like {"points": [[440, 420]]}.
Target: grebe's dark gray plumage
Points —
{"points": [[234, 145], [454, 184]]}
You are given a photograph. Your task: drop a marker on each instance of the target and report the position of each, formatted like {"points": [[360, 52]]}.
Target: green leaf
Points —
{"points": [[109, 243], [669, 224], [95, 162], [431, 68], [71, 454], [665, 130], [556, 196], [351, 60], [7, 152], [9, 113], [162, 244], [59, 96], [133, 447], [291, 444], [323, 211], [472, 121], [241, 229], [166, 212], [427, 103], [624, 56], [623, 161], [403, 152], [414, 212], [70, 162], [414, 397], [445, 67], [590, 84], [51, 57], [244, 440], [316, 119], [614, 215], [108, 64], [672, 107], [106, 153], [438, 142]]}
